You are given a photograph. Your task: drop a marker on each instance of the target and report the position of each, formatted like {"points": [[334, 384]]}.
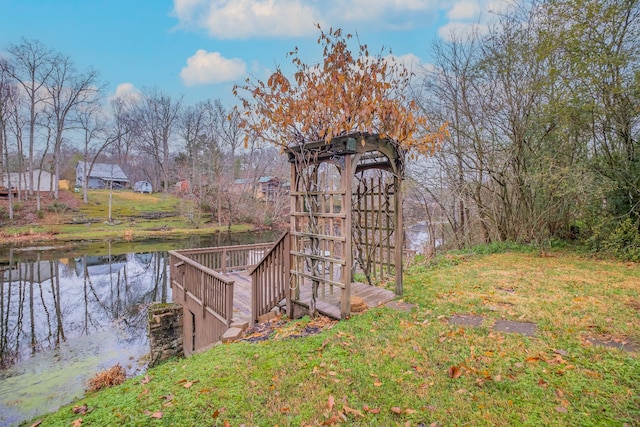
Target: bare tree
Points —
{"points": [[9, 101], [124, 126], [69, 90], [156, 116], [31, 65]]}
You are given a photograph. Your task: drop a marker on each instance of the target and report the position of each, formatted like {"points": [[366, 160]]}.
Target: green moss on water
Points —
{"points": [[55, 377]]}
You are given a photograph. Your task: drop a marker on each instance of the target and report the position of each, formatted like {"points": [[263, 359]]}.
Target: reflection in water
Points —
{"points": [[67, 313], [45, 305]]}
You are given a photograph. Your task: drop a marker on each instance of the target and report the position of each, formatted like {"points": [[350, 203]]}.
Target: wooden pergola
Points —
{"points": [[346, 215]]}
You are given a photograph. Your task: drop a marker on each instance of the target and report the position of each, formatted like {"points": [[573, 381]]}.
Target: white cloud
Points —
{"points": [[237, 19], [400, 12], [410, 61], [464, 10], [211, 68], [127, 91], [500, 6], [461, 29]]}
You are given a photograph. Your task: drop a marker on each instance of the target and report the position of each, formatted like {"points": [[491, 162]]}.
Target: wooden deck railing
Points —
{"points": [[271, 279], [228, 258], [212, 289]]}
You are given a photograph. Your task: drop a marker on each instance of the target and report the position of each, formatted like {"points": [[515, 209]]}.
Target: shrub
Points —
{"points": [[621, 240], [108, 378], [58, 207]]}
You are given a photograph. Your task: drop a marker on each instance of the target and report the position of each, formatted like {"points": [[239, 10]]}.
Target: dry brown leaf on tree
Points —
{"points": [[350, 90]]}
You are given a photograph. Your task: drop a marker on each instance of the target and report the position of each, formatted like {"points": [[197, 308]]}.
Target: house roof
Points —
{"points": [[107, 171]]}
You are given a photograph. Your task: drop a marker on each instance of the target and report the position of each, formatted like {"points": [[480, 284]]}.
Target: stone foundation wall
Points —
{"points": [[165, 332]]}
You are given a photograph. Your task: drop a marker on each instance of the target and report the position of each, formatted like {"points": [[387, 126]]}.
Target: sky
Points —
{"points": [[200, 48]]}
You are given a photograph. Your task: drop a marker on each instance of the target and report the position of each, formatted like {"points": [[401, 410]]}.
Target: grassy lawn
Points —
{"points": [[134, 215], [388, 367]]}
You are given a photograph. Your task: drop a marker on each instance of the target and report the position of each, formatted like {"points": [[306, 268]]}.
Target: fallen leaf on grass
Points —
{"points": [[331, 402], [215, 414], [285, 410], [156, 415], [37, 423], [186, 383], [377, 384], [76, 423], [331, 421], [366, 408], [396, 410], [352, 411], [532, 359], [561, 409], [82, 410], [455, 372], [410, 411], [146, 380]]}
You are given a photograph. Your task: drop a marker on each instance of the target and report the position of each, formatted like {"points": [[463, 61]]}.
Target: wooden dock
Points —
{"points": [[328, 302], [220, 287]]}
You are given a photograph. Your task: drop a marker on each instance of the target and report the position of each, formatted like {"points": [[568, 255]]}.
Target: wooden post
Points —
{"points": [[399, 233], [287, 274], [229, 303], [223, 261], [345, 184], [293, 222], [201, 296]]}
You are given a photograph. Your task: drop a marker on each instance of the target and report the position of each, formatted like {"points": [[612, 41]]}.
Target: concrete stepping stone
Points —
{"points": [[466, 320], [621, 345], [524, 328]]}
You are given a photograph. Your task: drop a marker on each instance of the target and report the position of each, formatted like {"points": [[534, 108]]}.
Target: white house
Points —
{"points": [[42, 180]]}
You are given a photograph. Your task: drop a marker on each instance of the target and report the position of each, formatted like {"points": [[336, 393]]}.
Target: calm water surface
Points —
{"points": [[67, 313]]}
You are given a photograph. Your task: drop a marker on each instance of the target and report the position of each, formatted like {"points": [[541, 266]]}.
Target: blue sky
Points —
{"points": [[200, 48]]}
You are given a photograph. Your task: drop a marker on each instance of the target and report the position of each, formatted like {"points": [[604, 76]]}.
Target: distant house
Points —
{"points": [[101, 175], [263, 188], [42, 180]]}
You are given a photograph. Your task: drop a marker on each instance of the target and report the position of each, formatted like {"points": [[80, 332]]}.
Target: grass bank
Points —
{"points": [[134, 216], [388, 367]]}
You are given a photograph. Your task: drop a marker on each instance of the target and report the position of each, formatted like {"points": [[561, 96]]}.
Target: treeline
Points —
{"points": [[543, 112], [53, 115], [544, 115]]}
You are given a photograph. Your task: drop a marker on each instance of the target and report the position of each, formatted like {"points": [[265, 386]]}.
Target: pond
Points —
{"points": [[68, 312]]}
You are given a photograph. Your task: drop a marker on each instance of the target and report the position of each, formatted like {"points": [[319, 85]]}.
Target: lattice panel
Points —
{"points": [[374, 223], [318, 221]]}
